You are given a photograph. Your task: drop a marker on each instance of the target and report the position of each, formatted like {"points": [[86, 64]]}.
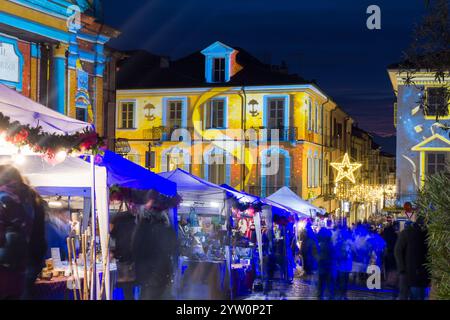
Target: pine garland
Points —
{"points": [[49, 144]]}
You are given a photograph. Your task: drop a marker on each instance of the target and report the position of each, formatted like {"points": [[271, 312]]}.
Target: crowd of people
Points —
{"points": [[145, 244], [336, 254], [145, 248]]}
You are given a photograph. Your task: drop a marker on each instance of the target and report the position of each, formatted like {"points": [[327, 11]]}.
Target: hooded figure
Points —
{"points": [[411, 256]]}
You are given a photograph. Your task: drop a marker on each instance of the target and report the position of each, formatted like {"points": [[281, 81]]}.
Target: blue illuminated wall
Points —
{"points": [[408, 161]]}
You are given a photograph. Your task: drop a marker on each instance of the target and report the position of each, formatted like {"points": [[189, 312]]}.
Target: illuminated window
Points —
{"points": [[276, 113], [216, 167], [277, 180], [127, 115], [216, 114], [437, 162], [176, 160], [175, 114], [437, 103], [218, 69]]}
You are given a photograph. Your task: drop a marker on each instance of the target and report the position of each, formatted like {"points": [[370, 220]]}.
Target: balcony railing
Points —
{"points": [[168, 134], [280, 133]]}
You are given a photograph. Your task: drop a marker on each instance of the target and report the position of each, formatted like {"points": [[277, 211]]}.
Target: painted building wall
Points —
{"points": [[413, 129], [71, 47], [303, 141]]}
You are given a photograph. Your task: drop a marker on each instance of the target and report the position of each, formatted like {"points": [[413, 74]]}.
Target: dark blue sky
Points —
{"points": [[326, 40]]}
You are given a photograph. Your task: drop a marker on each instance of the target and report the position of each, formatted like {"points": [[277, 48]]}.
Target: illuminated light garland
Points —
{"points": [[345, 169], [366, 193], [50, 145]]}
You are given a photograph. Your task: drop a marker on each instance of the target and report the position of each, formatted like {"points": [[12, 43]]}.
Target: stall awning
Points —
{"points": [[28, 112], [287, 198], [127, 174], [240, 195], [193, 186]]}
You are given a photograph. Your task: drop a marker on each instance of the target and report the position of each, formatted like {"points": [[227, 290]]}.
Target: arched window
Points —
{"points": [[217, 166], [174, 158]]}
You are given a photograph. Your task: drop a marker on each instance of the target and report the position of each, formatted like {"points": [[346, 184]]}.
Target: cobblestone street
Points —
{"points": [[302, 289]]}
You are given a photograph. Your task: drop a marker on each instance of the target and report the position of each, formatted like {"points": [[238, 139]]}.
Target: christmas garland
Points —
{"points": [[49, 144]]}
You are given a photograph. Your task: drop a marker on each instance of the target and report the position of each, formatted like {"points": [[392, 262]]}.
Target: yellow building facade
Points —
{"points": [[254, 137]]}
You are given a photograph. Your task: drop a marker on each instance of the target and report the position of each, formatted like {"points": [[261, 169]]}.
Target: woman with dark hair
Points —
{"points": [[22, 235]]}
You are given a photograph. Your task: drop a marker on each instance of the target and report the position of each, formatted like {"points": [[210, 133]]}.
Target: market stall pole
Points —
{"points": [[94, 231]]}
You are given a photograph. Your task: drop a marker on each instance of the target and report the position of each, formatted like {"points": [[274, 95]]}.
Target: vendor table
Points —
{"points": [[57, 287], [200, 279], [242, 278]]}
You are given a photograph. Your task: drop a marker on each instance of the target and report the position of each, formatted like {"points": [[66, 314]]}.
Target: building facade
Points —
{"points": [[54, 52], [423, 147], [224, 116]]}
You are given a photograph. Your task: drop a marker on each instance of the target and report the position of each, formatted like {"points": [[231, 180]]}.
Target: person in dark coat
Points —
{"points": [[411, 256], [390, 237], [123, 226], [344, 258], [154, 248], [308, 250], [326, 261], [22, 235]]}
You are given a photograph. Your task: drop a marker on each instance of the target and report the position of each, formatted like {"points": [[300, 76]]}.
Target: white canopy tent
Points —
{"points": [[71, 177], [289, 199], [193, 189], [26, 111]]}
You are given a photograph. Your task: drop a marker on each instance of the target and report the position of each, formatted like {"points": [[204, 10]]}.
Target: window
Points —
{"points": [[276, 180], [310, 115], [316, 172], [309, 171], [437, 103], [218, 69], [316, 122], [175, 114], [174, 160], [276, 113], [216, 167], [216, 114], [81, 114], [127, 115], [436, 162]]}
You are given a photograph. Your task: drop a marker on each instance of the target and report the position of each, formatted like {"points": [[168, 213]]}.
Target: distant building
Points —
{"points": [[53, 55], [220, 89], [423, 148]]}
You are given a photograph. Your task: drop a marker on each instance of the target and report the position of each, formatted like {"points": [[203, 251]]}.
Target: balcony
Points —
{"points": [[167, 134], [283, 134]]}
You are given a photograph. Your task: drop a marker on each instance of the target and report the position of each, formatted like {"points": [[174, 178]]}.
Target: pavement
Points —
{"points": [[302, 289]]}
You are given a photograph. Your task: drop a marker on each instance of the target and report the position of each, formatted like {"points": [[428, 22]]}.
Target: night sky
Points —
{"points": [[325, 40]]}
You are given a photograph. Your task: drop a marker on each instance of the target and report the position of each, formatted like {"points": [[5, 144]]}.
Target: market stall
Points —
{"points": [[46, 147], [284, 231], [204, 260], [246, 223]]}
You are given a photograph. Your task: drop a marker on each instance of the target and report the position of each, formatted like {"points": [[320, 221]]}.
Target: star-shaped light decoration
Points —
{"points": [[345, 169]]}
